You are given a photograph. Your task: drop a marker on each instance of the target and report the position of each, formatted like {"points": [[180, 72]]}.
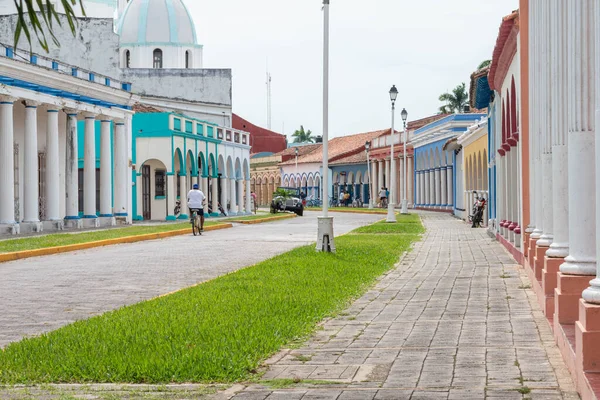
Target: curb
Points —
{"points": [[19, 255], [352, 212], [262, 220]]}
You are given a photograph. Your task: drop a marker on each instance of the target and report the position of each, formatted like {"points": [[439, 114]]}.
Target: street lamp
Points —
{"points": [[404, 209], [367, 148], [296, 178], [325, 241], [391, 215]]}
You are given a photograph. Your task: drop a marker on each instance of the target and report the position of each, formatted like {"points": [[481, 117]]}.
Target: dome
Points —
{"points": [[156, 22]]}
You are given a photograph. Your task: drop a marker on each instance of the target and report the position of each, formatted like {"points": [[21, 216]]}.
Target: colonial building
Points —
{"points": [[261, 140], [42, 101], [439, 168]]}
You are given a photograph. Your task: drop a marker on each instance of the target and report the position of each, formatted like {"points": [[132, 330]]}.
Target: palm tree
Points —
{"points": [[457, 100], [301, 136], [28, 19]]}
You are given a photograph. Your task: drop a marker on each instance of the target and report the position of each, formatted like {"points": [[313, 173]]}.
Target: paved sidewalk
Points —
{"points": [[44, 293], [455, 320]]}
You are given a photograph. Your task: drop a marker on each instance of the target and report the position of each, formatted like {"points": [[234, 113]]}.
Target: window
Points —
{"points": [[188, 61], [177, 124], [158, 58], [127, 59], [189, 127], [160, 180], [200, 129]]}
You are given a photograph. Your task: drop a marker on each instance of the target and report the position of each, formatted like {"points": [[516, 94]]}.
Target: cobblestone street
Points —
{"points": [[44, 293], [455, 320]]}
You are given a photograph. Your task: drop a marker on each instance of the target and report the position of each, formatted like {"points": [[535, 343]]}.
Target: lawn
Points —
{"points": [[410, 223], [219, 331], [351, 210], [63, 239]]}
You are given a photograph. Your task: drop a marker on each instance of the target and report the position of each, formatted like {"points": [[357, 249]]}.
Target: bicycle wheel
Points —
{"points": [[195, 229]]}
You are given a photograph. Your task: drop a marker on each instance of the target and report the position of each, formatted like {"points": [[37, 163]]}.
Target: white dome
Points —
{"points": [[156, 22]]}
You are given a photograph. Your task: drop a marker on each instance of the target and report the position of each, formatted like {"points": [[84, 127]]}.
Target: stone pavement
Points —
{"points": [[455, 320], [44, 293]]}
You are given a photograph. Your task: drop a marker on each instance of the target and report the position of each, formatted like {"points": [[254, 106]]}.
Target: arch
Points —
{"points": [[508, 116], [229, 169], [202, 167], [437, 158], [503, 123], [238, 169], [157, 58], [286, 182], [513, 108], [359, 177], [485, 170], [246, 169], [177, 160], [431, 159], [190, 163], [221, 168], [350, 178], [212, 165]]}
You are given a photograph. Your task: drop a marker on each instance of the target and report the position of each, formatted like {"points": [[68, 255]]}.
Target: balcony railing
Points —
{"points": [[63, 68]]}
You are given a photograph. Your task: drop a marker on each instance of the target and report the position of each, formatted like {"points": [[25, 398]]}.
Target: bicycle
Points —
{"points": [[195, 221]]}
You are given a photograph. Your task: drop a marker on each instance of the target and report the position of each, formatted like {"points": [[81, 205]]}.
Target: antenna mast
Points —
{"points": [[268, 100]]}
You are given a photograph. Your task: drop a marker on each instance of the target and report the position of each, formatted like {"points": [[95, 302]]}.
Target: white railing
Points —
{"points": [[58, 66]]}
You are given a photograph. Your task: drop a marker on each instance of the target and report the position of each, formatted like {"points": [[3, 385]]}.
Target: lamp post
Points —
{"points": [[404, 209], [391, 215], [296, 178], [367, 148], [325, 241]]}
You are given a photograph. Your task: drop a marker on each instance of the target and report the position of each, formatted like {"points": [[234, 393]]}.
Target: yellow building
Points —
{"points": [[474, 154]]}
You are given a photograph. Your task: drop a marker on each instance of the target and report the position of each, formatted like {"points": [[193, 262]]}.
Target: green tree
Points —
{"points": [[484, 64], [455, 101], [301, 136], [43, 23]]}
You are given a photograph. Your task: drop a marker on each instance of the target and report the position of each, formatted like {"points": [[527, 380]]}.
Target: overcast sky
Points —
{"points": [[424, 47]]}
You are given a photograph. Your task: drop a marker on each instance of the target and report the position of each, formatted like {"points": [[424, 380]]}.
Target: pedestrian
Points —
{"points": [[382, 197], [253, 195]]}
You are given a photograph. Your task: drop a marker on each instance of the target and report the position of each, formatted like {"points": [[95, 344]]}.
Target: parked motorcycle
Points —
{"points": [[476, 217]]}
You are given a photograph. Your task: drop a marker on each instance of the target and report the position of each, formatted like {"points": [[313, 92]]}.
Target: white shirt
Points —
{"points": [[195, 198], [382, 193]]}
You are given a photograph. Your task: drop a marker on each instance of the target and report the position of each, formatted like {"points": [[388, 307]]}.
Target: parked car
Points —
{"points": [[287, 199]]}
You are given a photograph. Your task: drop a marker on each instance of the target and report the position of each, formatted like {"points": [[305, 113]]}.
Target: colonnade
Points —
{"points": [[381, 176], [434, 187], [53, 213]]}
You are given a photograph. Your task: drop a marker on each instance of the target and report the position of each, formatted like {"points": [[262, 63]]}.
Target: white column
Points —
{"points": [[410, 176], [205, 191], [31, 185], [224, 183], [215, 195], [432, 187], [171, 196], [560, 185], [438, 186], [249, 197], [444, 186], [240, 196], [121, 178], [450, 192], [592, 294], [387, 176], [581, 141], [427, 187], [105, 170], [380, 180], [72, 168], [7, 161], [423, 188], [418, 187], [52, 166], [183, 190], [89, 168]]}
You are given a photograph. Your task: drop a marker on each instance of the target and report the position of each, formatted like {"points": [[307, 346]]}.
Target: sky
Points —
{"points": [[424, 47]]}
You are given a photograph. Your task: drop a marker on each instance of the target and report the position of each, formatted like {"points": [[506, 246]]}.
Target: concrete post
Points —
{"points": [[72, 172], [105, 173], [31, 185], [52, 168]]}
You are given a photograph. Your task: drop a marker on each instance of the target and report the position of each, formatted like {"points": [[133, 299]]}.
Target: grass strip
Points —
{"points": [[64, 239], [407, 224], [219, 331]]}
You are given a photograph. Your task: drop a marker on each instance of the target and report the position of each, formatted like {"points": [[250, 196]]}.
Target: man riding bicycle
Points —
{"points": [[195, 200]]}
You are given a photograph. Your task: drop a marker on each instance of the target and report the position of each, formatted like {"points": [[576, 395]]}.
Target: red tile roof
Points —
{"points": [[303, 150], [261, 139], [340, 147], [506, 48]]}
